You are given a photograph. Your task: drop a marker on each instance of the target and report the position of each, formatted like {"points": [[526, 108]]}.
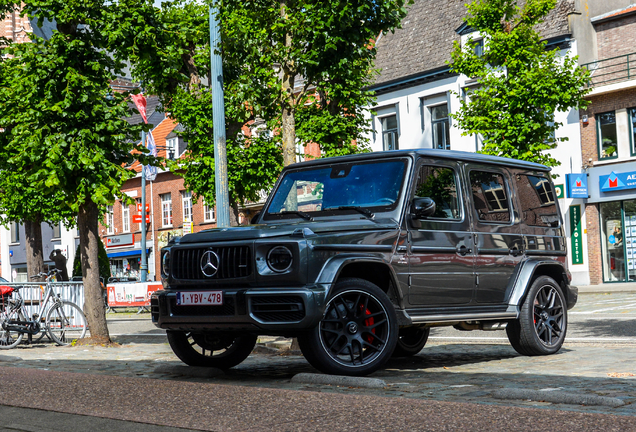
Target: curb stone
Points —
{"points": [[338, 380], [558, 397], [6, 358], [192, 371]]}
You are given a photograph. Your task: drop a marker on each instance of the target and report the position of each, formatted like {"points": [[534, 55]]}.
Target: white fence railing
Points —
{"points": [[33, 293]]}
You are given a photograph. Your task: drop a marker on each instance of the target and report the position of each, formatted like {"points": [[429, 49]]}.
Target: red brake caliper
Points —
{"points": [[368, 322]]}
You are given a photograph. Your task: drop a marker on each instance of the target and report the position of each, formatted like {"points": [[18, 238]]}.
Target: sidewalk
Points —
{"points": [[607, 288]]}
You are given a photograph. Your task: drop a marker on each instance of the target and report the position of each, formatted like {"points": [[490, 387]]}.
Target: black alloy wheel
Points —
{"points": [[411, 341], [220, 350], [357, 334], [542, 323]]}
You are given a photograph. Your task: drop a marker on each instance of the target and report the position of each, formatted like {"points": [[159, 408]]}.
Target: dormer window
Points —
{"points": [[172, 148]]}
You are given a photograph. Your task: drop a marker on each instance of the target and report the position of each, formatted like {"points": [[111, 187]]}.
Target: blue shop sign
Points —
{"points": [[617, 181], [577, 185]]}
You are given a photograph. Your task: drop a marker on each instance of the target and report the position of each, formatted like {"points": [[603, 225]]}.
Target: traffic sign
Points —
{"points": [[139, 207], [137, 219]]}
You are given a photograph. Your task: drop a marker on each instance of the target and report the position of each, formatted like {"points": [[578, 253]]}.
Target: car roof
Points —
{"points": [[432, 153]]}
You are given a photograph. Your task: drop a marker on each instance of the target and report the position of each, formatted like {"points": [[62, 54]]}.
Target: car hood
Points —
{"points": [[286, 229]]}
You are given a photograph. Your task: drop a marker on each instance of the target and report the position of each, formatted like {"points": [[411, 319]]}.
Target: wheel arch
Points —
{"points": [[372, 269], [531, 270]]}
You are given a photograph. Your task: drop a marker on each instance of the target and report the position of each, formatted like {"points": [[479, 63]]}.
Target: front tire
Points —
{"points": [[357, 334], [217, 350], [66, 323], [542, 323], [411, 341]]}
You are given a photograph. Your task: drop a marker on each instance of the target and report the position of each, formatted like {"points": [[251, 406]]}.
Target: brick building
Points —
{"points": [[608, 148]]}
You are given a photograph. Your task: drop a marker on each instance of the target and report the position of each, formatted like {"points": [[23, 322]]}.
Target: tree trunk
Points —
{"points": [[34, 253], [234, 214], [87, 220]]}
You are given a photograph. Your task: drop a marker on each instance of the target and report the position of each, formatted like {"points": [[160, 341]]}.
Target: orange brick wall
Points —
{"points": [[16, 28], [594, 244], [615, 38]]}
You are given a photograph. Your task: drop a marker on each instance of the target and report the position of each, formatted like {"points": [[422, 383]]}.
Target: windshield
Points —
{"points": [[326, 190]]}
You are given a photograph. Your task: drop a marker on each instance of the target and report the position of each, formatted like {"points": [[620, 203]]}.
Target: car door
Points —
{"points": [[498, 241], [440, 246]]}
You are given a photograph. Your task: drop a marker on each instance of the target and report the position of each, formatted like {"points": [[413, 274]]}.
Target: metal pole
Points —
{"points": [[218, 119], [144, 258]]}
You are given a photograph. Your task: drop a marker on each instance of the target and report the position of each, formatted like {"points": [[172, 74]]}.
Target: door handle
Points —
{"points": [[515, 251], [463, 250]]}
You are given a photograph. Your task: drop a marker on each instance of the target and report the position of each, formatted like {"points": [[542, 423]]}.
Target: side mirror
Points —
{"points": [[421, 208], [255, 218]]}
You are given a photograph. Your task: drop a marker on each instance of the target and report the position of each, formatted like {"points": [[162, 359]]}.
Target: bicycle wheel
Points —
{"points": [[9, 338], [66, 322]]}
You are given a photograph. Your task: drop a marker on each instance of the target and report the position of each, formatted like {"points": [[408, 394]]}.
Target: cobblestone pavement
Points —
{"points": [[445, 370]]}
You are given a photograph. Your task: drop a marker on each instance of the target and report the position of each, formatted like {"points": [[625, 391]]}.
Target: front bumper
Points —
{"points": [[256, 310]]}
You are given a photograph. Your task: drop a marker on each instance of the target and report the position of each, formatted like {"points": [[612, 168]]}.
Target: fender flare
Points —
{"points": [[525, 275], [333, 267]]}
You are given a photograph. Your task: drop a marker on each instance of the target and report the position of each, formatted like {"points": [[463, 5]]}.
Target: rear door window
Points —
{"points": [[490, 197], [538, 206]]}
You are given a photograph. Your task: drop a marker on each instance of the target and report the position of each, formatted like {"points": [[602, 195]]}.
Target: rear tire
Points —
{"points": [[357, 334], [219, 350], [542, 323], [10, 339], [66, 323], [411, 341]]}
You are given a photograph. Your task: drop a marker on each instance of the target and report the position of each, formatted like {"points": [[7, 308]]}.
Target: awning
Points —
{"points": [[133, 252]]}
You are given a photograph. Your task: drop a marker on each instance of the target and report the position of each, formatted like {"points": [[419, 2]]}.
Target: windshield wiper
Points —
{"points": [[302, 214], [362, 210]]}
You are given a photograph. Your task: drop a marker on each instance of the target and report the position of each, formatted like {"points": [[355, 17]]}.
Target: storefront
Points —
{"points": [[613, 190], [124, 256]]}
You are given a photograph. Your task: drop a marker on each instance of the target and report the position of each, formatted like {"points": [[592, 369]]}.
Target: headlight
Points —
{"points": [[165, 263], [280, 259]]}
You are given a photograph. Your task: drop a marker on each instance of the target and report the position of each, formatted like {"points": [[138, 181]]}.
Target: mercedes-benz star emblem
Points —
{"points": [[209, 263]]}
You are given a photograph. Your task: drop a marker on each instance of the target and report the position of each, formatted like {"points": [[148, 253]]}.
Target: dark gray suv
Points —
{"points": [[359, 256]]}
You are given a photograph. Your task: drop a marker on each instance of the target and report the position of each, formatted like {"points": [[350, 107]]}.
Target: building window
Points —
{"points": [[186, 201], [172, 148], [166, 210], [57, 231], [607, 147], [478, 47], [125, 218], [208, 213], [110, 220], [441, 127], [632, 135], [15, 232], [489, 197], [390, 132]]}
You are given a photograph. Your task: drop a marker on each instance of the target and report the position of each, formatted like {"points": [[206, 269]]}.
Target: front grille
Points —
{"points": [[234, 262], [226, 309], [154, 309], [278, 308]]}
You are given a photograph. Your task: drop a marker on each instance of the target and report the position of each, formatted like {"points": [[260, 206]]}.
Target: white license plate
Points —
{"points": [[200, 298]]}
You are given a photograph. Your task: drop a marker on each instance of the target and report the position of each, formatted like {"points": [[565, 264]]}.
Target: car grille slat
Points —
{"points": [[234, 262]]}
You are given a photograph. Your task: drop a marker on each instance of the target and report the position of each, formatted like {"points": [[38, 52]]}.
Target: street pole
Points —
{"points": [[218, 119], [144, 258]]}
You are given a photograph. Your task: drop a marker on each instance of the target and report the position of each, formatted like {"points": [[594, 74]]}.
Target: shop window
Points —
{"points": [[125, 218], [618, 241], [186, 204], [208, 213], [606, 131], [438, 183], [390, 132], [110, 220], [490, 197], [538, 206], [166, 210], [15, 232], [441, 127]]}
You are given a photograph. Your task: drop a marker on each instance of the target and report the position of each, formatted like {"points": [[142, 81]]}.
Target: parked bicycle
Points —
{"points": [[63, 322]]}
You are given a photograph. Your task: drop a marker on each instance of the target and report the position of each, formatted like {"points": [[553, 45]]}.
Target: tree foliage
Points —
{"points": [[522, 84], [64, 133]]}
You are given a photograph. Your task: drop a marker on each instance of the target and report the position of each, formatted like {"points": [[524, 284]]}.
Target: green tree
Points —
{"points": [[63, 127], [315, 58], [174, 64], [522, 84], [104, 263]]}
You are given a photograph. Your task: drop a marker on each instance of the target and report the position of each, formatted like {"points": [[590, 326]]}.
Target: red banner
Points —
{"points": [[131, 294], [140, 103]]}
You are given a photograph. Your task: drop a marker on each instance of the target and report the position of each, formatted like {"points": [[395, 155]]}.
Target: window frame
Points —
{"points": [[166, 213], [186, 203], [446, 120], [599, 136], [172, 143], [15, 233], [511, 219], [208, 209], [395, 132], [125, 218], [57, 227], [110, 220], [632, 129]]}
